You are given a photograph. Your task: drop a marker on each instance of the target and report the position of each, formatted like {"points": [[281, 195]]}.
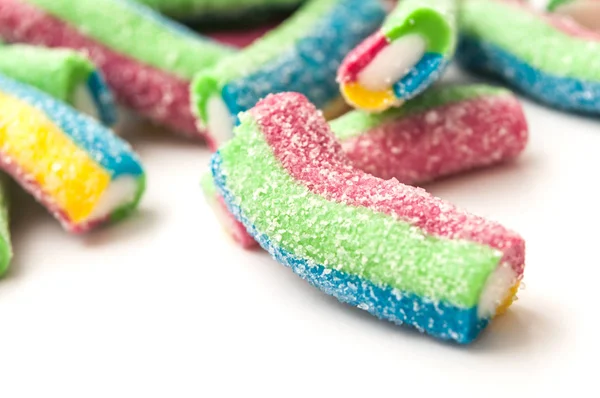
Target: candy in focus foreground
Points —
{"points": [[64, 74], [301, 55], [549, 57], [82, 173], [6, 252], [151, 77], [390, 249], [446, 131], [403, 58]]}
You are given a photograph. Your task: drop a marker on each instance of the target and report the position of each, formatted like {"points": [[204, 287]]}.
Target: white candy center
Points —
{"points": [[220, 120], [119, 192], [84, 102], [496, 290], [393, 63]]}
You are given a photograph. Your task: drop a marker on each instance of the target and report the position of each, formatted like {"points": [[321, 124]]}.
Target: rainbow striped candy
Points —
{"points": [[78, 169], [446, 131], [403, 58], [390, 249], [66, 75], [301, 55], [550, 58], [6, 252], [147, 60]]}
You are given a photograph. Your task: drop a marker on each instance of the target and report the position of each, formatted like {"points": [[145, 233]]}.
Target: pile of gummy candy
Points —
{"points": [[322, 128]]}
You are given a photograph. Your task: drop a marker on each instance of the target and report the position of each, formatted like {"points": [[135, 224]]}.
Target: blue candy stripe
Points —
{"points": [[438, 319], [310, 67], [421, 76], [104, 147], [103, 99], [561, 92]]}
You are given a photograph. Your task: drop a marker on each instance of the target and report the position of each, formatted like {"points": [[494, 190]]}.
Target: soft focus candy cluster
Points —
{"points": [[326, 189]]}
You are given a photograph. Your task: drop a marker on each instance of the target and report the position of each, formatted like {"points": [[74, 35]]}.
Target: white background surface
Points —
{"points": [[164, 304]]}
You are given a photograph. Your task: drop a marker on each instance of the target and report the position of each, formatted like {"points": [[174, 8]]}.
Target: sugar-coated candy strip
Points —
{"points": [[147, 60], [64, 74], [391, 249], [6, 251], [546, 56], [447, 130], [403, 58], [233, 10], [584, 12], [82, 172], [301, 55]]}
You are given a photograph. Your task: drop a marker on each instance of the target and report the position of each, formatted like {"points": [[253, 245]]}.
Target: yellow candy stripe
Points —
{"points": [[508, 300], [63, 171], [370, 101]]}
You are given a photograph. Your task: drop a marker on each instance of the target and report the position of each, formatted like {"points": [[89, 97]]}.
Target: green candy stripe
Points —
{"points": [[529, 38], [137, 31], [54, 71], [5, 243], [182, 8], [354, 240], [270, 46], [356, 123], [554, 4], [434, 20]]}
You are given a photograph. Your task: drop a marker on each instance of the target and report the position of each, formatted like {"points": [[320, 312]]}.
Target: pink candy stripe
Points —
{"points": [[442, 141], [158, 95], [360, 57], [300, 138]]}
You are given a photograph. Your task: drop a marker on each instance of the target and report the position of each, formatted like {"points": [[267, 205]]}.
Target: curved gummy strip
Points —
{"points": [[119, 24], [158, 95], [443, 132], [301, 55], [66, 160], [531, 39], [438, 239], [437, 318], [58, 73], [6, 252]]}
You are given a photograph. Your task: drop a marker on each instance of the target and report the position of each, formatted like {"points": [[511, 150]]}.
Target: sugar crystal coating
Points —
{"points": [[59, 73], [66, 160], [299, 196], [156, 86]]}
